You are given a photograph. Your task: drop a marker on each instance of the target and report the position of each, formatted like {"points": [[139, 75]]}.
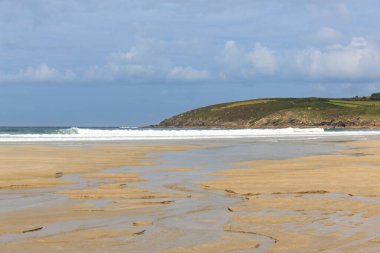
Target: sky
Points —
{"points": [[136, 62]]}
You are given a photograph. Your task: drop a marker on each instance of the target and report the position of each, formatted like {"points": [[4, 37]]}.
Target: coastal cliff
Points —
{"points": [[282, 113]]}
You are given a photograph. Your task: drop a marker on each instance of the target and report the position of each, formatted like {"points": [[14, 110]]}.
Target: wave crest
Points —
{"points": [[125, 134], [71, 130]]}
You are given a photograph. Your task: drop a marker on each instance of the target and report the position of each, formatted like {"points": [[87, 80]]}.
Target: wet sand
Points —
{"points": [[40, 186], [323, 203], [190, 198]]}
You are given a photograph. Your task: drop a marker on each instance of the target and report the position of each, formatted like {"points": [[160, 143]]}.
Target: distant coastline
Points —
{"points": [[350, 113]]}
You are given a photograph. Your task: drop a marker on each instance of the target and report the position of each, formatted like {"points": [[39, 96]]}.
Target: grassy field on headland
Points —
{"points": [[283, 112]]}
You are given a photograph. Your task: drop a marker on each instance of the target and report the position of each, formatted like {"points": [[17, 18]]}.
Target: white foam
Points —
{"points": [[83, 134]]}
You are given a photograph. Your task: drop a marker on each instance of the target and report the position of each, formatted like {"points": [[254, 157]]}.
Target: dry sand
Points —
{"points": [[42, 166]]}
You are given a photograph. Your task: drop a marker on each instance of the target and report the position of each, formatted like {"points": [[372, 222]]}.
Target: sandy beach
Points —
{"points": [[189, 198]]}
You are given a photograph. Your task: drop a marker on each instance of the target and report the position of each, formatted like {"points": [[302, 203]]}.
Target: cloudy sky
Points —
{"points": [[120, 62]]}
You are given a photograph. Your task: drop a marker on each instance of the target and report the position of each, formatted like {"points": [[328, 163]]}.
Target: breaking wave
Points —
{"points": [[128, 133]]}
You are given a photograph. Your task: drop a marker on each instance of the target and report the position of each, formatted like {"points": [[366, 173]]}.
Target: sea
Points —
{"points": [[73, 134]]}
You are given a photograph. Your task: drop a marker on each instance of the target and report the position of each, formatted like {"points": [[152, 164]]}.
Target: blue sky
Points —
{"points": [[95, 62]]}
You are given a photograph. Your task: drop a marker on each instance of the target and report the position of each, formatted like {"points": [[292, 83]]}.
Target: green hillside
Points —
{"points": [[283, 112]]}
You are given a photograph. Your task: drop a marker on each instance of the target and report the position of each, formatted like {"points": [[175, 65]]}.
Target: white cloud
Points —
{"points": [[188, 73], [263, 59], [358, 59], [40, 73], [112, 71], [142, 60], [231, 55], [151, 59], [244, 62], [129, 69], [328, 35], [129, 56]]}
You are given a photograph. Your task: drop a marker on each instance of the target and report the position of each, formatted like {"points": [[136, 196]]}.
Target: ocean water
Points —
{"points": [[72, 134]]}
